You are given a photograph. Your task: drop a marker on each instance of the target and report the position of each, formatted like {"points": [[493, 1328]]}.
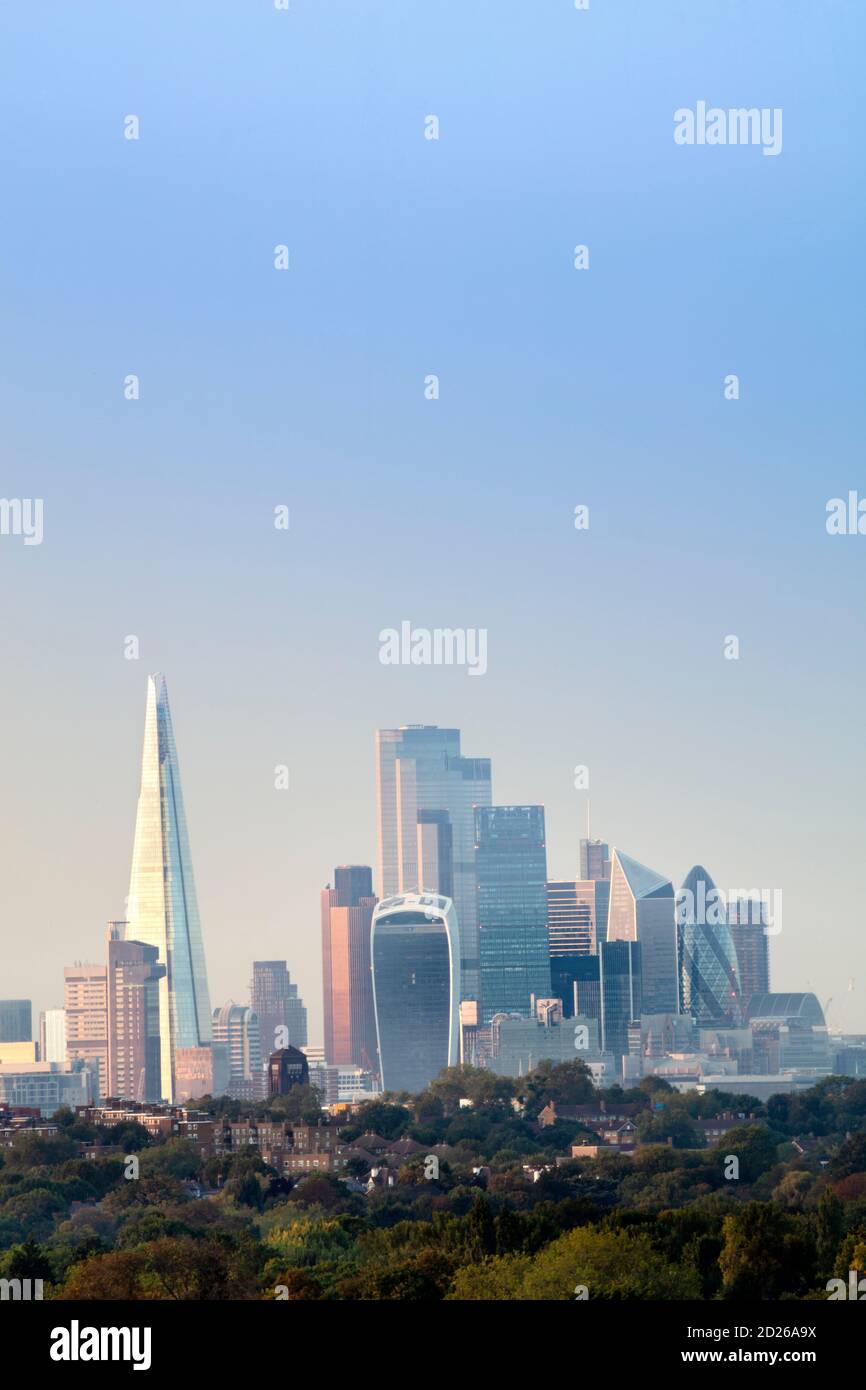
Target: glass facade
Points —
{"points": [[419, 770], [709, 980], [281, 1013], [751, 946], [511, 873], [620, 979], [594, 859], [576, 915], [574, 979], [237, 1044], [347, 913], [16, 1020], [416, 989], [642, 909], [162, 910]]}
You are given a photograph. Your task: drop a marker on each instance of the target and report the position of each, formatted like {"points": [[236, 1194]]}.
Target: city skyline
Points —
{"points": [[164, 752], [630, 882]]}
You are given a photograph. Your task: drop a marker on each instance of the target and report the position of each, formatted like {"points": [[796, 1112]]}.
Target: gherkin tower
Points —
{"points": [[162, 909], [709, 977]]}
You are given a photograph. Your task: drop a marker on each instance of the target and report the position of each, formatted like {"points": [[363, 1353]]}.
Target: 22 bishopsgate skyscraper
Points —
{"points": [[162, 910], [427, 792]]}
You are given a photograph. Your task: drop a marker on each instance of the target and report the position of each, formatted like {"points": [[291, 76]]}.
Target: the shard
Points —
{"points": [[162, 909]]}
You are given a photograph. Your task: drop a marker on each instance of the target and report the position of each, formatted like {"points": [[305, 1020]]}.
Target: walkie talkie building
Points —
{"points": [[415, 952]]}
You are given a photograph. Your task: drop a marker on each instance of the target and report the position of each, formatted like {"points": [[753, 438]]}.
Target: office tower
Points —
{"points": [[237, 1047], [511, 874], [416, 989], [594, 860], [347, 915], [278, 1007], [621, 979], [16, 1020], [86, 997], [162, 909], [606, 988], [287, 1067], [709, 981], [751, 946], [577, 915], [352, 882], [420, 772], [577, 981], [134, 972], [52, 1035], [642, 909]]}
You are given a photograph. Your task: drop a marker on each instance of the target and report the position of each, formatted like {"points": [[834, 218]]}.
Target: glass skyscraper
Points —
{"points": [[620, 978], [594, 859], [751, 945], [347, 914], [416, 989], [511, 873], [162, 910], [426, 797], [16, 1020], [709, 980], [642, 909]]}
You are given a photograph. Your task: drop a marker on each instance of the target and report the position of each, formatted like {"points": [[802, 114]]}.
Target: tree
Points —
{"points": [[300, 1103], [656, 1126], [114, 1276], [174, 1158], [829, 1224], [27, 1261], [851, 1157], [755, 1148], [246, 1191], [564, 1083], [766, 1253], [610, 1265]]}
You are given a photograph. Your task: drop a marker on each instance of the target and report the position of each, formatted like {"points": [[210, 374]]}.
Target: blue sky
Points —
{"points": [[557, 387]]}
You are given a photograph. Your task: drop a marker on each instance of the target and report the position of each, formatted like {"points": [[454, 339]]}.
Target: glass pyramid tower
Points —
{"points": [[709, 978], [162, 910]]}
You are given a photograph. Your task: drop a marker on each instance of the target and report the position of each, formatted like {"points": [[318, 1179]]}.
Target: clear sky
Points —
{"points": [[305, 387]]}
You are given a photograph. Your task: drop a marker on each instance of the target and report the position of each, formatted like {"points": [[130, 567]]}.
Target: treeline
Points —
{"points": [[495, 1217]]}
